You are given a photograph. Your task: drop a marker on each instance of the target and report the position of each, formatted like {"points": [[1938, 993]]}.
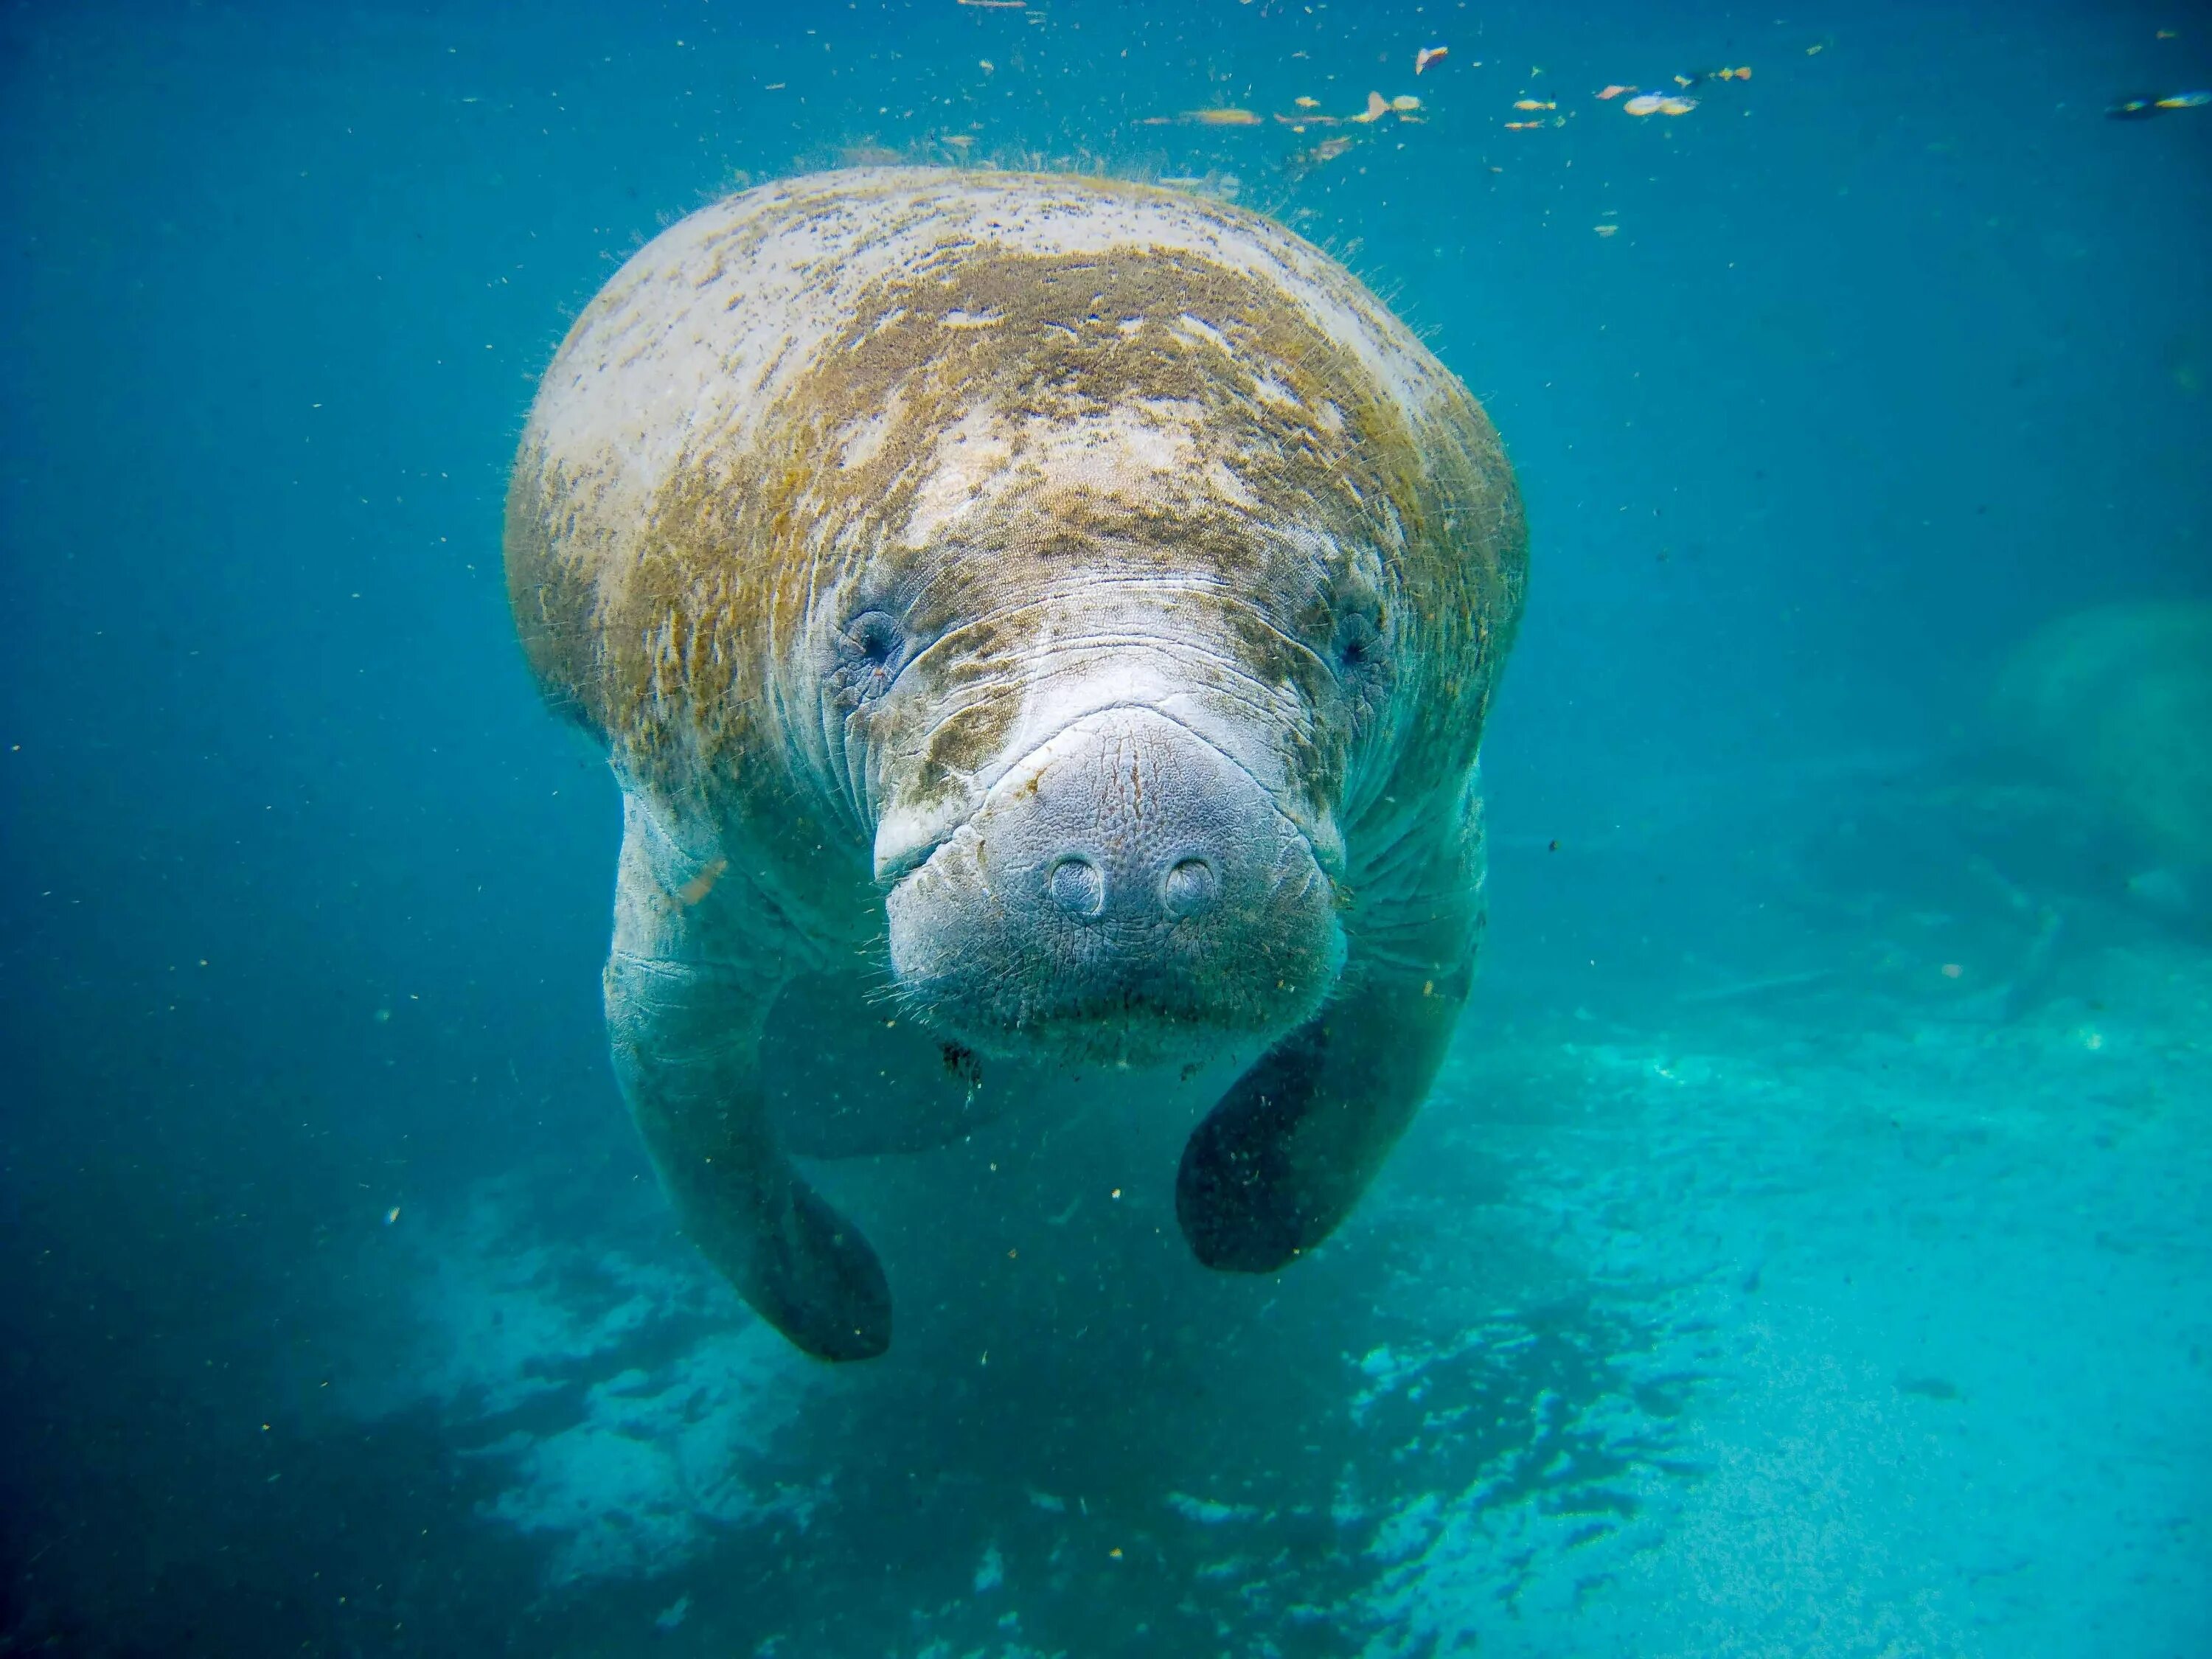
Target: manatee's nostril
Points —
{"points": [[1189, 888], [1077, 886]]}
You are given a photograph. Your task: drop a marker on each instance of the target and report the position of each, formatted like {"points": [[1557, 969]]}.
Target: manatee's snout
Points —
{"points": [[1127, 830], [1125, 890]]}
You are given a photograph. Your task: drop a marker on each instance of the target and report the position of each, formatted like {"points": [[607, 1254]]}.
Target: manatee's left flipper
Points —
{"points": [[1284, 1157], [1281, 1161]]}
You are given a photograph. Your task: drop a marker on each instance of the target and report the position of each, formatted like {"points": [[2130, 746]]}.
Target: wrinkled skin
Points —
{"points": [[1074, 605]]}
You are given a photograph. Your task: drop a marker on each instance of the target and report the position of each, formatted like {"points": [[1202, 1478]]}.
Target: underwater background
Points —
{"points": [[1808, 1248]]}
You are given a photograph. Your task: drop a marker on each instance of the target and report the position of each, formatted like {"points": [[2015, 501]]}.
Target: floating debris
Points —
{"points": [[987, 66], [963, 1065], [1222, 117], [1526, 126], [1426, 56], [1605, 230], [703, 884], [1405, 107], [1614, 92], [2143, 108], [1532, 103], [1677, 106], [1647, 105], [994, 5], [1306, 161]]}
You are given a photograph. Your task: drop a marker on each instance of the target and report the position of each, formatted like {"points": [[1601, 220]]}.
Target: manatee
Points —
{"points": [[1057, 615]]}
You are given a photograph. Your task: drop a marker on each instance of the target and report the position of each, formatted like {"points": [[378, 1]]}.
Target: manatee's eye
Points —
{"points": [[1359, 648], [871, 650], [875, 636]]}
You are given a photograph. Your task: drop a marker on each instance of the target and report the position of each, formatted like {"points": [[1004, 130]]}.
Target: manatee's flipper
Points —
{"points": [[1284, 1157], [684, 1021]]}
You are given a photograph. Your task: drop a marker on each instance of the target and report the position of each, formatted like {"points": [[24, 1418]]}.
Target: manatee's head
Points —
{"points": [[1126, 592]]}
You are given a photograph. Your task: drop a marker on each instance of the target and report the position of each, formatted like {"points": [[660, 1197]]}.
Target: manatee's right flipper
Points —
{"points": [[1289, 1150], [685, 1031]]}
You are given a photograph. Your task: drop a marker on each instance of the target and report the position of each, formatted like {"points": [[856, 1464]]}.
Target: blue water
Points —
{"points": [[1806, 1247]]}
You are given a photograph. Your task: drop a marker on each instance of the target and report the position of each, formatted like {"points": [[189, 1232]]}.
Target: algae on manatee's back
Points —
{"points": [[2118, 700]]}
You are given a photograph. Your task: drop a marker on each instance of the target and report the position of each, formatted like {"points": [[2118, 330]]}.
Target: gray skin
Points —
{"points": [[1058, 612]]}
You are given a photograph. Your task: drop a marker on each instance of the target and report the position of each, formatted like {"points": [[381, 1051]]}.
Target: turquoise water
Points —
{"points": [[1806, 1250]]}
